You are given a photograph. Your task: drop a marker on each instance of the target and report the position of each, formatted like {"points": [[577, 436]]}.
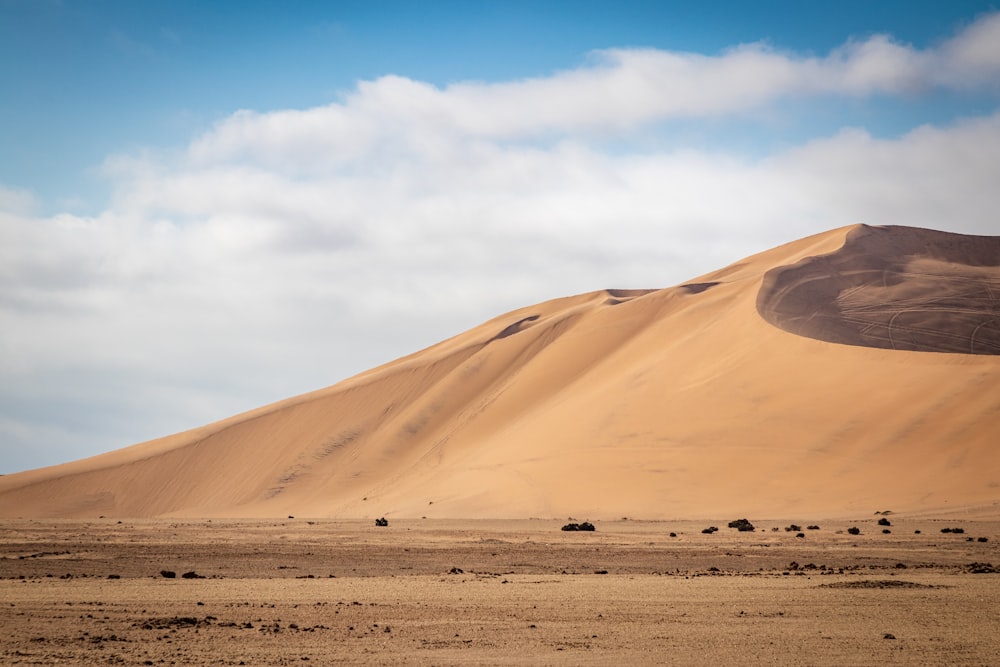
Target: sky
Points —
{"points": [[208, 207]]}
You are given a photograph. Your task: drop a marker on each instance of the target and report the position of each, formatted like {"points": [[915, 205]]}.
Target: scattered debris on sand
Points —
{"points": [[877, 583]]}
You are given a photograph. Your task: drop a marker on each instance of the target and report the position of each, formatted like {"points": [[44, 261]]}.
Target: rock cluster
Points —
{"points": [[586, 525]]}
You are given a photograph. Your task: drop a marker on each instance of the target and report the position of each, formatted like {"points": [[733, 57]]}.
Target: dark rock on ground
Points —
{"points": [[585, 526], [982, 568], [742, 525]]}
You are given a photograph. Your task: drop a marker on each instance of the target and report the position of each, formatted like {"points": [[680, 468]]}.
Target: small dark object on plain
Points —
{"points": [[916, 532], [382, 522], [888, 635], [886, 531], [800, 534], [884, 522], [983, 539], [673, 534], [742, 525], [812, 527], [585, 526], [456, 570], [192, 575], [600, 571], [167, 574], [114, 576], [854, 530], [792, 528], [982, 568]]}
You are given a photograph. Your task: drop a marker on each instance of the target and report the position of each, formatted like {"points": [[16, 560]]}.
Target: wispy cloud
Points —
{"points": [[620, 90], [16, 201]]}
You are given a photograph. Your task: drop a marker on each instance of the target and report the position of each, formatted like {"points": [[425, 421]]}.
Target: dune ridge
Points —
{"points": [[678, 402]]}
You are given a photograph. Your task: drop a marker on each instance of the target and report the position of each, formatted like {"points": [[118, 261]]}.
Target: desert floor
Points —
{"points": [[441, 592]]}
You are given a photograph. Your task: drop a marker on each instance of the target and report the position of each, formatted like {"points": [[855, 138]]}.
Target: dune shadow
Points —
{"points": [[897, 288], [698, 288], [516, 327]]}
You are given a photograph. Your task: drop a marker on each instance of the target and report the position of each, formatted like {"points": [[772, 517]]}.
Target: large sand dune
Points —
{"points": [[678, 402]]}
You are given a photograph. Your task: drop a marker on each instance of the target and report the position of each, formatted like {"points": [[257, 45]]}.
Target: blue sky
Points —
{"points": [[205, 207], [87, 79]]}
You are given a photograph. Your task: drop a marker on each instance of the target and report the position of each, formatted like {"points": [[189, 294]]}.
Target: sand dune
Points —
{"points": [[731, 394]]}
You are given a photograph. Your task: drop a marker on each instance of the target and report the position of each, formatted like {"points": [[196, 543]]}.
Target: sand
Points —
{"points": [[440, 592], [895, 288], [682, 402]]}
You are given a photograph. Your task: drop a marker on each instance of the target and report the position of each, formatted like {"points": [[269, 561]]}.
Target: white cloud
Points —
{"points": [[620, 90], [16, 201], [281, 252], [972, 57], [932, 177]]}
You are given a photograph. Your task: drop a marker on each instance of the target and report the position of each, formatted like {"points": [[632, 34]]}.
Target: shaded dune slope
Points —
{"points": [[895, 288], [678, 402]]}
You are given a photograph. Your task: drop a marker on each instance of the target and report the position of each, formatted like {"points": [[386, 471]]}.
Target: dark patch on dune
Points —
{"points": [[514, 328], [628, 293], [697, 288], [617, 296], [897, 288]]}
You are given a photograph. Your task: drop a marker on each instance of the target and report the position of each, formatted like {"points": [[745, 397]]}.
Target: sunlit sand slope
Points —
{"points": [[677, 402]]}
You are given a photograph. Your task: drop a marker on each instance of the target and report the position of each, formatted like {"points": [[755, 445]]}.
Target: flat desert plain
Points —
{"points": [[449, 592]]}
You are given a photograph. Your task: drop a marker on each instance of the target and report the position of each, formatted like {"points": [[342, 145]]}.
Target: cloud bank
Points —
{"points": [[283, 251]]}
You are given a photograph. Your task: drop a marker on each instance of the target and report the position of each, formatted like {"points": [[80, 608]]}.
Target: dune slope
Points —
{"points": [[894, 288], [677, 402]]}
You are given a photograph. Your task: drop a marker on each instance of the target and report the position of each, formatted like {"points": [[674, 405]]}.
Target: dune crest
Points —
{"points": [[676, 402]]}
